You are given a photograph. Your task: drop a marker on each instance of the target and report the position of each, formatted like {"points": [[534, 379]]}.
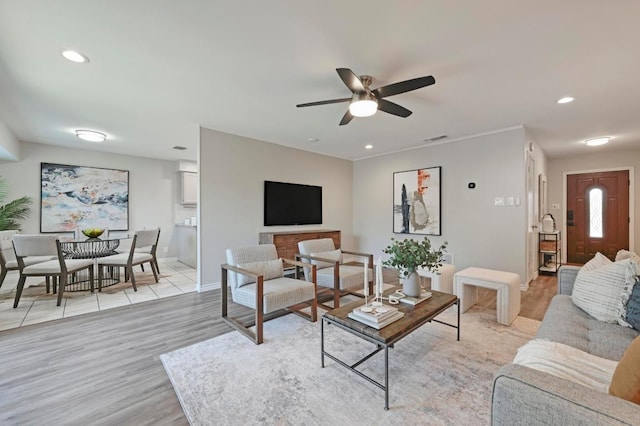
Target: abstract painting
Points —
{"points": [[84, 197], [416, 201]]}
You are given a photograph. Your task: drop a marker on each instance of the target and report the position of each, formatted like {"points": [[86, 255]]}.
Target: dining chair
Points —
{"points": [[256, 277], [8, 260], [150, 249], [7, 256], [141, 239], [27, 246], [332, 273]]}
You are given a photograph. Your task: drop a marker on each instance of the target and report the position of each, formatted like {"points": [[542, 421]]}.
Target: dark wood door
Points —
{"points": [[597, 214]]}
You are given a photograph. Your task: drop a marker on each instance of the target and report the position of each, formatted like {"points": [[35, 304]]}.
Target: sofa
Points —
{"points": [[524, 396]]}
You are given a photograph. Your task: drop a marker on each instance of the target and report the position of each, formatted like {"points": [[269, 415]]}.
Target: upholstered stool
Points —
{"points": [[507, 284], [441, 279]]}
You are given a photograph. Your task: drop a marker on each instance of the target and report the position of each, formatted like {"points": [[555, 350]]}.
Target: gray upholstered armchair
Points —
{"points": [[256, 278], [331, 273]]}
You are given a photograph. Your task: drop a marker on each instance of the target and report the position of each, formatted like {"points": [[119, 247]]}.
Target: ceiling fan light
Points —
{"points": [[91, 135], [363, 108]]}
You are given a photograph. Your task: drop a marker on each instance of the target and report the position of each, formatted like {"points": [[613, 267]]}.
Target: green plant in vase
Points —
{"points": [[409, 255], [12, 213]]}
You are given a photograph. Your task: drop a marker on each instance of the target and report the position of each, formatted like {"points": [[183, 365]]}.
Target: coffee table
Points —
{"points": [[385, 338]]}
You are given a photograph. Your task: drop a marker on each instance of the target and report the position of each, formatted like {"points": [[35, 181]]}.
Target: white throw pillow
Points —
{"points": [[599, 291], [270, 269], [335, 255], [598, 261], [626, 254]]}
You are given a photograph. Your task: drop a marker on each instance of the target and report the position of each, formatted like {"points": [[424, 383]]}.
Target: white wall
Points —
{"points": [[152, 185], [589, 162], [9, 145], [232, 174], [479, 234]]}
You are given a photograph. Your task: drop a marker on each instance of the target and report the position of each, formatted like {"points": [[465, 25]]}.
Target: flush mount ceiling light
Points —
{"points": [[91, 135], [368, 147], [74, 56], [565, 100], [597, 141], [312, 140]]}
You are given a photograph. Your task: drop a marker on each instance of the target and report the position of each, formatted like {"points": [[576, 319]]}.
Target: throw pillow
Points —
{"points": [[632, 314], [598, 261], [598, 292], [335, 255], [626, 254], [626, 378], [270, 269]]}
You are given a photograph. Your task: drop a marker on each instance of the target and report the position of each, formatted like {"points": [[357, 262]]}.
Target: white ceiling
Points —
{"points": [[160, 68]]}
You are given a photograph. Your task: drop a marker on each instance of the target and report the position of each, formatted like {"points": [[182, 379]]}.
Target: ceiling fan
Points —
{"points": [[366, 102]]}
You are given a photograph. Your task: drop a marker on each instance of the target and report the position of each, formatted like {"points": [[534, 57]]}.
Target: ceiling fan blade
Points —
{"points": [[351, 80], [346, 118], [393, 108], [330, 101], [404, 86]]}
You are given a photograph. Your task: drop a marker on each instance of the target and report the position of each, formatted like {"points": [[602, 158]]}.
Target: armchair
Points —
{"points": [[256, 278], [331, 273]]}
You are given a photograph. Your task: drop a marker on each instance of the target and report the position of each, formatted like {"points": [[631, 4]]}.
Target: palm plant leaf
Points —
{"points": [[13, 212]]}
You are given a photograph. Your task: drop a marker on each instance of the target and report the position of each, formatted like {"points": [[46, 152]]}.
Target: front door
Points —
{"points": [[597, 214]]}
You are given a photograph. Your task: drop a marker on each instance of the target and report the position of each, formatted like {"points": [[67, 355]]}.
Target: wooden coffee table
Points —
{"points": [[385, 338]]}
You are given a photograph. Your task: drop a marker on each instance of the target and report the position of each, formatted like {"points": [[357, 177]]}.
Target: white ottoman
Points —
{"points": [[442, 279], [507, 284]]}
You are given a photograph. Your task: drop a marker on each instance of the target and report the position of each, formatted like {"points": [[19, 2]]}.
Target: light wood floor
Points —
{"points": [[534, 302], [103, 368]]}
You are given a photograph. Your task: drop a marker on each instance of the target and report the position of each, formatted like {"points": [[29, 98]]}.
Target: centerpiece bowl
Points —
{"points": [[93, 232]]}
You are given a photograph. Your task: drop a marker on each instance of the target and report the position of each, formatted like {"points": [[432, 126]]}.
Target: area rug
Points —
{"points": [[434, 380]]}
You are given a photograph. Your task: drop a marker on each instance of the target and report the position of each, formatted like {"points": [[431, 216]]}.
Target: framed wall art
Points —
{"points": [[84, 197], [416, 201]]}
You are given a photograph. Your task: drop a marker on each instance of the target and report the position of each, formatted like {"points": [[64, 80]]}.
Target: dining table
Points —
{"points": [[92, 248]]}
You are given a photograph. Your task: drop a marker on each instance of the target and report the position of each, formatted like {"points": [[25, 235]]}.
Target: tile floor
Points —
{"points": [[37, 306]]}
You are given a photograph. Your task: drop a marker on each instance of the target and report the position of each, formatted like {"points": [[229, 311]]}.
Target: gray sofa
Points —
{"points": [[523, 396]]}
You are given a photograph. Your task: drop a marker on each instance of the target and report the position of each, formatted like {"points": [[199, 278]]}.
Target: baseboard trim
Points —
{"points": [[208, 287]]}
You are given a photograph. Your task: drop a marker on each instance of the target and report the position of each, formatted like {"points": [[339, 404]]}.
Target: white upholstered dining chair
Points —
{"points": [[27, 246], [145, 238], [256, 278], [332, 273]]}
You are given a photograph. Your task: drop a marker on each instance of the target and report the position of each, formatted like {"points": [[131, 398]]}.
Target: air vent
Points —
{"points": [[436, 138], [180, 148]]}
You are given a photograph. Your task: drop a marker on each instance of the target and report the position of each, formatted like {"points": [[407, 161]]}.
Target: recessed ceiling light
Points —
{"points": [[368, 146], [565, 100], [313, 140], [597, 141], [74, 56], [91, 135]]}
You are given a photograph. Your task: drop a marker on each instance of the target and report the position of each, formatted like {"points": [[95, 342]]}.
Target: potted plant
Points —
{"points": [[13, 212], [408, 255]]}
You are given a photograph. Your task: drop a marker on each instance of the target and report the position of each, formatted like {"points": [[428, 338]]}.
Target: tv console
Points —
{"points": [[286, 242]]}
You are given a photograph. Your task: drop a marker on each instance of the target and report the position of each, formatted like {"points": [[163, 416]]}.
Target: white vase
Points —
{"points": [[411, 284]]}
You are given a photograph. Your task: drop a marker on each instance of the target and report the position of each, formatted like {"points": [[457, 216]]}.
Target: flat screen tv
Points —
{"points": [[292, 204]]}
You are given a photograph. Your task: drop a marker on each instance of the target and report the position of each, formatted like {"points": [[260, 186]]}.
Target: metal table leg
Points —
{"points": [[386, 377]]}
